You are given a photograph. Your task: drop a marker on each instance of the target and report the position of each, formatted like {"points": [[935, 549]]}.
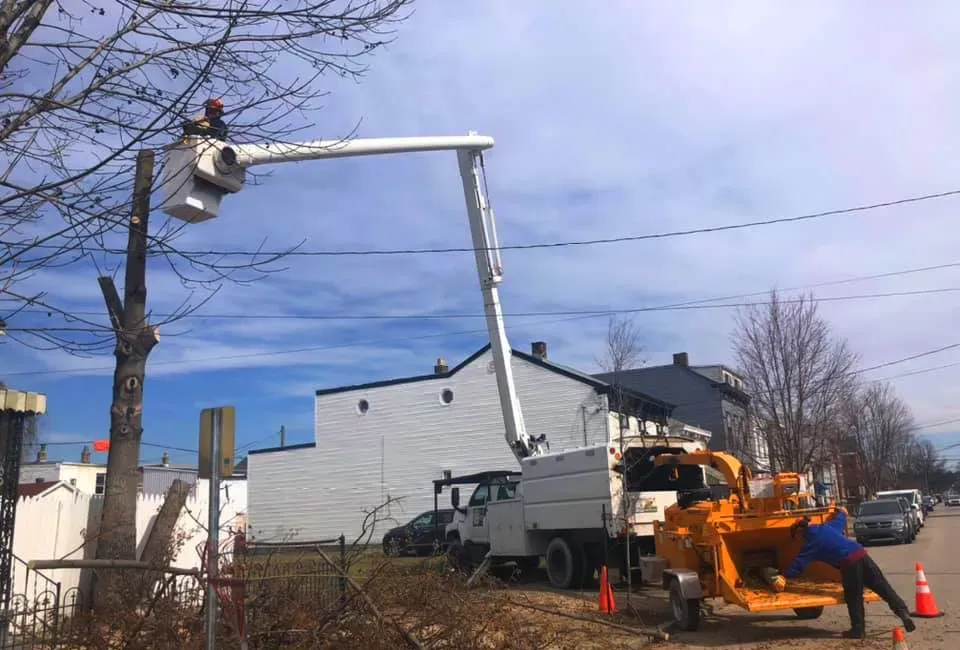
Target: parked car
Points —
{"points": [[884, 520], [421, 535], [953, 500], [928, 504], [912, 509]]}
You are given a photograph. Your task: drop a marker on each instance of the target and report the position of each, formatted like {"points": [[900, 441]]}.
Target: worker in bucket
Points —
{"points": [[210, 124], [828, 543]]}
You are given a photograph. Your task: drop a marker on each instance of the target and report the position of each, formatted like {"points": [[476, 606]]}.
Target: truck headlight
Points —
{"points": [[898, 524], [859, 525]]}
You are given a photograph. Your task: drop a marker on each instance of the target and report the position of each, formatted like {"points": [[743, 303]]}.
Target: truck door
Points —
{"points": [[476, 523]]}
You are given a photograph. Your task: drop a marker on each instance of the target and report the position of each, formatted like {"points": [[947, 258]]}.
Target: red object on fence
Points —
{"points": [[101, 446]]}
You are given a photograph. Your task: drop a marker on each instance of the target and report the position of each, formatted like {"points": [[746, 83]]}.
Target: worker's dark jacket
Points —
{"points": [[207, 127], [829, 544]]}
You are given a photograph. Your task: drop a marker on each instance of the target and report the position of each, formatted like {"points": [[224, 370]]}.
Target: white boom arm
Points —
{"points": [[198, 172]]}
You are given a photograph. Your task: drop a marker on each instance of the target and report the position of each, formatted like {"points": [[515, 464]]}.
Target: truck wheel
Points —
{"points": [[686, 611], [808, 613], [457, 556], [564, 563]]}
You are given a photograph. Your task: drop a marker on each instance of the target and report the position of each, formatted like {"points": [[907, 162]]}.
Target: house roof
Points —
{"points": [[38, 488], [653, 375], [599, 385]]}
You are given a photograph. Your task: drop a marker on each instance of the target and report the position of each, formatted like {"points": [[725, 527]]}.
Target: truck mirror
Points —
{"points": [[455, 497]]}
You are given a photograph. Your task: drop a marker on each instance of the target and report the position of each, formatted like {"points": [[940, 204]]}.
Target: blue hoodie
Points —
{"points": [[826, 543]]}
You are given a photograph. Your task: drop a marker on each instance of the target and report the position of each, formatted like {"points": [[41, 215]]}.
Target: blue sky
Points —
{"points": [[640, 119]]}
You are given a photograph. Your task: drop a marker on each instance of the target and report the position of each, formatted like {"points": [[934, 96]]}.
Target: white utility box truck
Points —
{"points": [[565, 506], [569, 509]]}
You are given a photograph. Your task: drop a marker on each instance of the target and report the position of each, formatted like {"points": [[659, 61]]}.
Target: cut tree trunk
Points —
{"points": [[160, 548], [117, 533]]}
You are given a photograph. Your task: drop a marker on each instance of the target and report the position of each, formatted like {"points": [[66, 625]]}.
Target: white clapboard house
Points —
{"points": [[387, 441]]}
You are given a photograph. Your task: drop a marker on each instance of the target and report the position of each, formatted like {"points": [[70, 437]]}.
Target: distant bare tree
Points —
{"points": [[923, 466], [85, 84], [881, 425], [623, 347], [798, 373]]}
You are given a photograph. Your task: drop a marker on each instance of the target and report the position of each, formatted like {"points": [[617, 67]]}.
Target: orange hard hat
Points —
{"points": [[215, 102]]}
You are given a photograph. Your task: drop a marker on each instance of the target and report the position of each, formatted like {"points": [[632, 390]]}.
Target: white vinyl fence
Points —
{"points": [[55, 526]]}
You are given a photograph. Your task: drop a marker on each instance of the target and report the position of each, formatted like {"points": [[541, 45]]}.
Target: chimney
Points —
{"points": [[681, 359], [539, 349], [165, 459], [441, 366], [42, 454], [85, 455]]}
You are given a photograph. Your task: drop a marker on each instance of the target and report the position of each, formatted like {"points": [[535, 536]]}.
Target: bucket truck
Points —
{"points": [[564, 506]]}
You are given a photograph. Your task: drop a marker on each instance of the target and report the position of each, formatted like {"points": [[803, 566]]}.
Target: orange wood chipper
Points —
{"points": [[734, 542]]}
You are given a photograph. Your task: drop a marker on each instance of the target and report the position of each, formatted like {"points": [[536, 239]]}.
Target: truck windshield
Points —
{"points": [[879, 508], [643, 476]]}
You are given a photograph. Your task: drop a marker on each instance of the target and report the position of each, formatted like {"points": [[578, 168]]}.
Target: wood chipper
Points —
{"points": [[734, 542]]}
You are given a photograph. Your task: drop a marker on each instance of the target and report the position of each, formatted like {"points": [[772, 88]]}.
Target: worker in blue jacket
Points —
{"points": [[828, 543]]}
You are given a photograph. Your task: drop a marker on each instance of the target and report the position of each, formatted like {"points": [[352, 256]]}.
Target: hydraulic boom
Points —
{"points": [[198, 172]]}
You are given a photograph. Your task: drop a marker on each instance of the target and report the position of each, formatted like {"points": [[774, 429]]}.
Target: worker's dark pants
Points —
{"points": [[865, 573]]}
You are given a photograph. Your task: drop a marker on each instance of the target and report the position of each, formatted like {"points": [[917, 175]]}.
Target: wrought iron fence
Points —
{"points": [[39, 608]]}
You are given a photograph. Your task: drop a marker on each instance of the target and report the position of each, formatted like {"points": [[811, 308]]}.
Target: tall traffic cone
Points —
{"points": [[608, 604], [926, 605], [899, 639]]}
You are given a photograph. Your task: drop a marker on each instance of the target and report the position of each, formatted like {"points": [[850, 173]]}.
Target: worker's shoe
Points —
{"points": [[854, 633]]}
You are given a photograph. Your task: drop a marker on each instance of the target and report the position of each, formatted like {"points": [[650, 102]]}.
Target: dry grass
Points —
{"points": [[297, 603]]}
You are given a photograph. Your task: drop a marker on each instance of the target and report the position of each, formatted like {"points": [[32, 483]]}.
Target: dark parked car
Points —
{"points": [[420, 535], [884, 520], [929, 503]]}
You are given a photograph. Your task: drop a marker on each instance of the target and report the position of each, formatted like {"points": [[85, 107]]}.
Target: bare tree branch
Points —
{"points": [[623, 348], [85, 85], [798, 374]]}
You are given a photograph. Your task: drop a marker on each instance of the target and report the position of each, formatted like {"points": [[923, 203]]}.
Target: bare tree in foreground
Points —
{"points": [[881, 425], [86, 85], [623, 348], [798, 373]]}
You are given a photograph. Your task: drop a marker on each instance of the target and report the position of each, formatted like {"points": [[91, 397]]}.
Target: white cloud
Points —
{"points": [[640, 118]]}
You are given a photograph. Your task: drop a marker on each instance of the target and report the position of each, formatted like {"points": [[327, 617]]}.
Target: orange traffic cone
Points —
{"points": [[926, 605], [608, 604], [899, 639]]}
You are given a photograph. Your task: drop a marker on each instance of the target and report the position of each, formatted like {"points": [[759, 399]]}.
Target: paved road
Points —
{"points": [[937, 547]]}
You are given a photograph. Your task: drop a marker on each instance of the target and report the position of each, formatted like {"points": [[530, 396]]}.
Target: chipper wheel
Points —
{"points": [[686, 611], [808, 613]]}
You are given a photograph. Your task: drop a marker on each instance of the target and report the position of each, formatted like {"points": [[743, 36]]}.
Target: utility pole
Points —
{"points": [[117, 535]]}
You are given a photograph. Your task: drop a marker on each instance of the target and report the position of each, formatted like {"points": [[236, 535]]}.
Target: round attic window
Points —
{"points": [[446, 396], [363, 406]]}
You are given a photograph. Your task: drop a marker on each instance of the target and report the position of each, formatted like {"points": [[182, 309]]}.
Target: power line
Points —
{"points": [[692, 306], [557, 244]]}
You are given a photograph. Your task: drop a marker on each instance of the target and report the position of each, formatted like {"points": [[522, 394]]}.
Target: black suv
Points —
{"points": [[419, 535], [884, 520]]}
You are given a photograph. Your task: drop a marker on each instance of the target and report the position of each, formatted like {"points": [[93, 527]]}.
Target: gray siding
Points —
{"points": [[404, 441], [697, 399]]}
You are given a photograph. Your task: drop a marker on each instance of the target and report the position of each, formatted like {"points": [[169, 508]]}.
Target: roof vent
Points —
{"points": [[539, 349], [681, 359]]}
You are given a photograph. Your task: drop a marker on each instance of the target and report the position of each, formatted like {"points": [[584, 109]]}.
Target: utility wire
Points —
{"points": [[527, 314], [558, 244]]}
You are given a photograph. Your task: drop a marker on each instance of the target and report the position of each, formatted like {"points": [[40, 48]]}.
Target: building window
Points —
{"points": [[363, 406], [446, 396], [101, 483]]}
